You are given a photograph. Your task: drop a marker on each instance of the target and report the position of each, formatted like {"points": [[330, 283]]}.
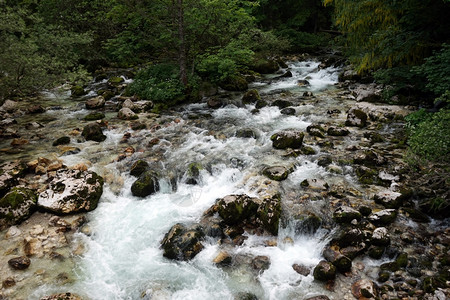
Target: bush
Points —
{"points": [[304, 41], [428, 134]]}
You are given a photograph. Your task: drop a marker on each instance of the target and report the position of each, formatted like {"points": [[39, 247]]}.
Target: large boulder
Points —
{"points": [[383, 217], [277, 173], [10, 172], [145, 185], [356, 117], [324, 271], [182, 242], [389, 199], [346, 214], [234, 209], [287, 139], [93, 132], [17, 206], [265, 66], [251, 96], [234, 83], [95, 103], [367, 93], [72, 191], [127, 114]]}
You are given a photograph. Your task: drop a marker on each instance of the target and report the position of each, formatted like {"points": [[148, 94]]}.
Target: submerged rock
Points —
{"points": [[287, 139], [19, 263], [94, 116], [17, 206], [182, 243], [72, 191]]}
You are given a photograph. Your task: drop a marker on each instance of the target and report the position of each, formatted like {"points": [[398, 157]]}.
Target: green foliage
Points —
{"points": [[428, 134], [304, 41], [159, 83], [399, 80]]}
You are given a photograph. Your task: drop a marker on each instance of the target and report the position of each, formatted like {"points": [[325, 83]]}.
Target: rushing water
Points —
{"points": [[123, 259]]}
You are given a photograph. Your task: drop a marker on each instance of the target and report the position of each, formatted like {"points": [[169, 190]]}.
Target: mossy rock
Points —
{"points": [[234, 209], [245, 133], [94, 116], [308, 224], [287, 139], [64, 140], [324, 271], [280, 103], [234, 83], [17, 205], [114, 81], [277, 173], [269, 214], [77, 91], [138, 168], [194, 169], [356, 117], [376, 252], [346, 214], [383, 217], [265, 66], [402, 260], [337, 131], [145, 185], [261, 104], [93, 132], [307, 150], [182, 242], [366, 175], [251, 96], [383, 276]]}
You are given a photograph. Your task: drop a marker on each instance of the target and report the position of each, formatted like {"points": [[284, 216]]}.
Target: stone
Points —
{"points": [[383, 217], [324, 271], [302, 270], [95, 103], [138, 168], [93, 132], [245, 133], [115, 80], [214, 103], [17, 206], [10, 172], [280, 103], [94, 116], [337, 131], [234, 209], [223, 259], [315, 130], [182, 243], [363, 289], [269, 214], [277, 173], [303, 82], [342, 263], [369, 158], [19, 142], [19, 263], [356, 117], [145, 185], [308, 224], [9, 106], [380, 237], [287, 139], [346, 214], [367, 93], [64, 296], [77, 91], [265, 66], [234, 83], [64, 140], [289, 111], [251, 96], [389, 199], [261, 263], [72, 191], [127, 114], [320, 297], [8, 282], [35, 109], [324, 161], [129, 104]]}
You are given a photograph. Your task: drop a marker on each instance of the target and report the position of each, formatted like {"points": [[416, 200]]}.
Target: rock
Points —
{"points": [[367, 93], [280, 103], [95, 103], [77, 91], [223, 259], [127, 114], [349, 74], [19, 142], [72, 191], [269, 214], [19, 263], [383, 276], [302, 270], [416, 215], [337, 131], [389, 199], [10, 172], [65, 296], [137, 126], [346, 214], [64, 140], [9, 106], [94, 116], [17, 206], [369, 158], [308, 224], [287, 139], [363, 289], [321, 297], [261, 104], [129, 104], [380, 237], [265, 66], [356, 117], [182, 243], [324, 161], [145, 185], [8, 282], [303, 82], [246, 296], [138, 168], [245, 133], [251, 96], [115, 81], [261, 263], [383, 217], [324, 271], [315, 130], [35, 109], [234, 209], [277, 173], [307, 150], [315, 184], [341, 262], [289, 111], [234, 83], [287, 74], [93, 132], [215, 102]]}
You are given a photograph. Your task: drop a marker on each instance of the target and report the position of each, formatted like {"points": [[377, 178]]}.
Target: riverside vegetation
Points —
{"points": [[115, 112]]}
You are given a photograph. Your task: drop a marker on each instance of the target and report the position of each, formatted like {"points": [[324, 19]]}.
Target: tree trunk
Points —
{"points": [[182, 45]]}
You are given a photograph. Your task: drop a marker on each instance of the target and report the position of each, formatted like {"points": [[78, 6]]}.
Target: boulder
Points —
{"points": [[380, 237], [367, 93], [215, 102], [182, 242], [280, 103], [251, 96], [245, 133], [138, 168], [277, 173], [288, 111], [17, 206], [19, 263], [95, 103], [64, 140], [324, 271], [64, 296], [10, 172], [77, 91], [308, 224], [389, 199], [369, 158], [261, 263], [287, 74], [341, 262], [383, 217], [356, 117], [349, 74], [223, 259], [364, 289], [346, 214], [35, 109], [234, 83], [303, 82], [72, 191], [235, 209], [265, 66], [337, 131], [115, 80], [302, 270], [94, 116], [129, 104], [269, 214], [145, 185], [287, 139], [315, 130], [9, 106], [127, 114], [93, 132]]}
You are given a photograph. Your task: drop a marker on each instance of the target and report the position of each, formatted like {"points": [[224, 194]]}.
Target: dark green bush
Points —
{"points": [[304, 41]]}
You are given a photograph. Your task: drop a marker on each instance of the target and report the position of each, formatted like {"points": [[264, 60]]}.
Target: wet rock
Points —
{"points": [[321, 297], [94, 116], [64, 140], [342, 263], [389, 199], [64, 296], [277, 173], [324, 271], [265, 66], [324, 161], [269, 214], [95, 103], [345, 215], [337, 131], [369, 158], [261, 263], [376, 252], [145, 185], [303, 82], [19, 142], [302, 270], [356, 117], [366, 175], [127, 114], [93, 132], [251, 96], [234, 209], [350, 236], [261, 104], [246, 296], [416, 215], [315, 184], [287, 139], [19, 263], [316, 130], [308, 224], [289, 111], [365, 210], [367, 93], [280, 103], [245, 133], [137, 126], [223, 259], [380, 237], [349, 74], [115, 81], [35, 109], [287, 74], [383, 217], [17, 206], [364, 288], [383, 276], [234, 83], [72, 191], [215, 102], [9, 106], [307, 150], [182, 243], [77, 91], [10, 172], [138, 168]]}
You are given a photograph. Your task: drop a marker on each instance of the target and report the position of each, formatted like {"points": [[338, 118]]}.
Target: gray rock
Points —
{"points": [[287, 139], [346, 214], [95, 103], [356, 117], [383, 217], [324, 271], [182, 243], [380, 237], [126, 114], [17, 206]]}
